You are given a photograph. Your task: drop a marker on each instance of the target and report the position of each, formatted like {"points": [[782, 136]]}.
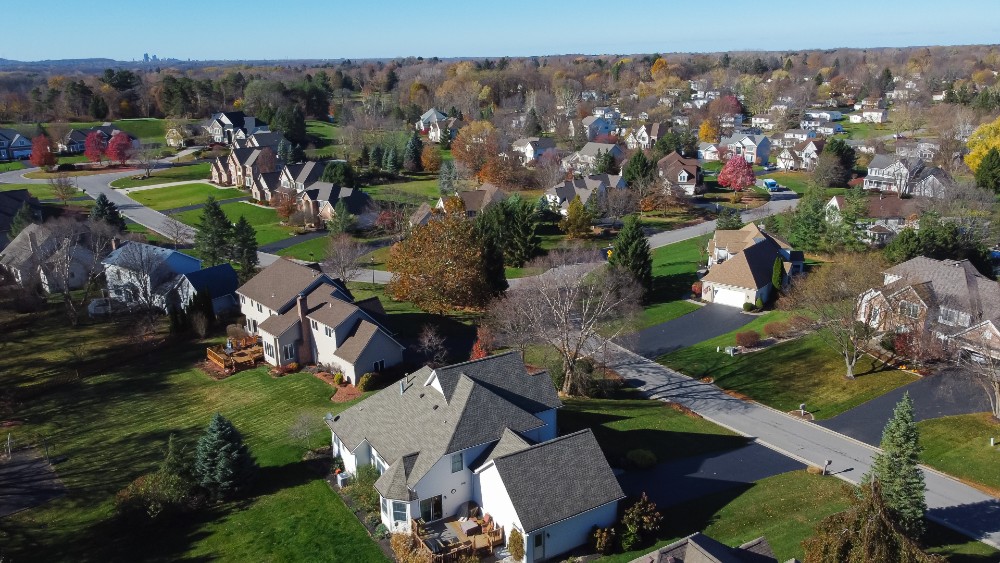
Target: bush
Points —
{"points": [[515, 545], [641, 518], [362, 489], [889, 342], [338, 378], [366, 382], [381, 532], [373, 520], [406, 550], [152, 496], [65, 167], [641, 459], [777, 329], [604, 540], [630, 540], [696, 289], [337, 463], [759, 304], [799, 323], [748, 307], [748, 338]]}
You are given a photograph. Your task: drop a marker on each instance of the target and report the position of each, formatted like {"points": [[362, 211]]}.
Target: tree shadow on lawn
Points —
{"points": [[671, 287]]}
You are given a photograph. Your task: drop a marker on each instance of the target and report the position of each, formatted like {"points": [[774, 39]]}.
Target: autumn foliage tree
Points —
{"points": [[483, 346], [439, 266], [430, 158], [120, 148], [93, 147], [474, 145], [41, 152], [708, 132], [737, 174]]}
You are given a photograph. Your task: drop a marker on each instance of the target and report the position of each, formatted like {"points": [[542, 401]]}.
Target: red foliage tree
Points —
{"points": [[484, 344], [737, 174], [93, 147], [41, 152], [120, 148]]}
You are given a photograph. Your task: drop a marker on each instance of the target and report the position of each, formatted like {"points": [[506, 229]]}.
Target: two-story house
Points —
{"points": [[680, 175], [645, 136], [298, 176], [766, 122], [13, 145], [481, 432], [583, 160], [226, 126], [144, 276], [305, 316], [594, 186], [755, 149], [741, 263], [596, 126], [801, 156], [884, 216], [475, 201], [438, 128], [530, 149], [824, 114], [428, 117]]}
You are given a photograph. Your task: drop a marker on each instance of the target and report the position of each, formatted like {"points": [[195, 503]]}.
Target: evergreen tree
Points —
{"points": [[21, 219], [378, 155], [365, 157], [298, 155], [520, 231], [244, 247], [98, 107], [411, 154], [214, 235], [490, 235], [390, 162], [339, 173], [638, 169], [223, 464], [532, 125], [631, 252], [729, 219], [809, 226], [896, 469], [105, 210], [342, 220], [846, 233], [988, 173], [447, 177], [285, 151], [577, 220], [604, 163], [777, 274]]}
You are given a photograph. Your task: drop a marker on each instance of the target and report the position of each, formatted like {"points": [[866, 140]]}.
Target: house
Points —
{"points": [[861, 145], [219, 282], [75, 141], [950, 299], [872, 116], [884, 216], [680, 175], [307, 317], [741, 263], [793, 136], [708, 152], [824, 114], [802, 156], [13, 145], [11, 201], [264, 186], [925, 150], [220, 171], [531, 149], [682, 121], [262, 139], [583, 160], [38, 248], [595, 126], [181, 135], [429, 116], [755, 149], [422, 215], [318, 201], [645, 136], [246, 163], [298, 176], [910, 175], [591, 186], [475, 201], [226, 126], [484, 432], [699, 548], [810, 123], [871, 103], [142, 275], [730, 120], [436, 128], [829, 128], [765, 122]]}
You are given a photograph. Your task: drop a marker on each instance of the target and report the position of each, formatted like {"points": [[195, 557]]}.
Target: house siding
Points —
{"points": [[569, 534]]}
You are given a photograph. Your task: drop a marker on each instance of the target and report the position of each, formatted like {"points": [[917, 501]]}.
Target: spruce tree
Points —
{"points": [[106, 210], [285, 151], [809, 226], [631, 252], [988, 173], [532, 125], [244, 247], [342, 220], [390, 162], [411, 154], [365, 158], [214, 235], [223, 464], [604, 163], [21, 219], [729, 220], [520, 231], [490, 234], [447, 177], [638, 169], [896, 470], [377, 156]]}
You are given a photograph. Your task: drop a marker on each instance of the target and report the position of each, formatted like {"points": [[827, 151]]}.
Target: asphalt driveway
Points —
{"points": [[26, 481], [946, 393], [697, 326]]}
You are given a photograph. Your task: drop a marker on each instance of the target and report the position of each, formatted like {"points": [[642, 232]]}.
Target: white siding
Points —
{"points": [[491, 494], [568, 534], [441, 481]]}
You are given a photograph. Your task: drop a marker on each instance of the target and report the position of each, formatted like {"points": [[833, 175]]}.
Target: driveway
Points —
{"points": [[26, 481], [947, 393], [697, 326]]}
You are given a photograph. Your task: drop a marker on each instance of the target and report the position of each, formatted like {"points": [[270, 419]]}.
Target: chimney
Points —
{"points": [[114, 243], [305, 348], [32, 243]]}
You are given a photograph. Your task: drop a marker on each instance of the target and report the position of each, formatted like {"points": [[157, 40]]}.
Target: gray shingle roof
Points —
{"points": [[955, 284], [699, 548], [568, 476], [279, 283]]}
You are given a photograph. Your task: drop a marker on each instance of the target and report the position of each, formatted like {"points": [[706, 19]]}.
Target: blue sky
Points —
{"points": [[224, 29]]}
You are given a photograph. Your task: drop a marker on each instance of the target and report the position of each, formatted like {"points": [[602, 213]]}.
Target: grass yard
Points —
{"points": [[788, 374], [12, 165], [313, 249], [200, 171], [41, 191], [669, 220], [151, 236], [180, 196], [112, 426], [418, 187], [629, 422], [960, 446], [73, 159], [264, 220], [406, 320], [675, 268], [799, 181], [865, 130]]}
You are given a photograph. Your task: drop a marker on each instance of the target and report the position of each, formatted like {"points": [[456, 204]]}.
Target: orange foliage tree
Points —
{"points": [[430, 158], [474, 145], [484, 344]]}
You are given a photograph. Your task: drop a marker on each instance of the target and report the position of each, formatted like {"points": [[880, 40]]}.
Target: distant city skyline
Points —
{"points": [[311, 29]]}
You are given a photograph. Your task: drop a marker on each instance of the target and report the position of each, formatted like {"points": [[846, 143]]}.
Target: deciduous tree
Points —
{"points": [[737, 174], [430, 158], [343, 257], [120, 148], [475, 144], [708, 132], [576, 224], [63, 187], [93, 147], [984, 138], [41, 152]]}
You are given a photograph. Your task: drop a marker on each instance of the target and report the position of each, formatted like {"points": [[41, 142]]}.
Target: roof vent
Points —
{"points": [[435, 407], [421, 395]]}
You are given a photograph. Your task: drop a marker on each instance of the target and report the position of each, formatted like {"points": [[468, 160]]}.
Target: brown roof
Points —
{"points": [[357, 341], [478, 199], [880, 207], [322, 307], [278, 324], [750, 269], [278, 283]]}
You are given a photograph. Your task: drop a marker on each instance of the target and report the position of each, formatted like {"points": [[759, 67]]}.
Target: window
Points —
{"points": [[288, 351], [243, 299], [456, 463], [259, 310], [315, 325], [908, 309], [949, 316], [379, 366], [385, 506], [398, 511], [328, 331]]}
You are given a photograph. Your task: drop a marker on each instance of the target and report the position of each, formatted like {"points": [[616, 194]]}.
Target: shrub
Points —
{"points": [[641, 518], [748, 307], [889, 341], [405, 548], [515, 545], [604, 540], [759, 304], [630, 539], [696, 289], [338, 378], [366, 382], [777, 329], [152, 496], [748, 338], [65, 167], [381, 532], [337, 463], [641, 459], [814, 470], [362, 489], [373, 520], [799, 323]]}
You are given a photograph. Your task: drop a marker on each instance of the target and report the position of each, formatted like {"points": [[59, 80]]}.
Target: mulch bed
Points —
{"points": [[798, 414], [212, 370], [345, 392], [327, 377]]}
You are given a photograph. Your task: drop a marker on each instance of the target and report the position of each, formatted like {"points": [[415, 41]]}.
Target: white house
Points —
{"points": [[307, 317], [481, 432], [583, 160], [143, 275], [532, 148], [645, 136], [824, 114], [437, 128], [890, 173], [829, 128], [708, 152], [226, 126], [801, 156], [755, 149], [873, 115], [741, 263], [429, 116], [587, 187], [765, 122]]}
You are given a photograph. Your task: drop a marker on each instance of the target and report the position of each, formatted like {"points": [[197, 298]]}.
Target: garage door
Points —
{"points": [[729, 297]]}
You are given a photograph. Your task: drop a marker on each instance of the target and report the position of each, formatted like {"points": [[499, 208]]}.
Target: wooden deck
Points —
{"points": [[446, 541], [245, 354]]}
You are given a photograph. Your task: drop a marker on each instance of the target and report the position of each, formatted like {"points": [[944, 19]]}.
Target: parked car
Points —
{"points": [[771, 185]]}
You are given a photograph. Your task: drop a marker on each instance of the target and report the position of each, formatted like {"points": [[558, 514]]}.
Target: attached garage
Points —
{"points": [[730, 297]]}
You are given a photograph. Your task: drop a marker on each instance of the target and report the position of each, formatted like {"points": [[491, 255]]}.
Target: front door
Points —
{"points": [[538, 552], [430, 509]]}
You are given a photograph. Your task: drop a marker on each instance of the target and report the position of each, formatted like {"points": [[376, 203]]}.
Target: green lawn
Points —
{"points": [[314, 249], [151, 236], [41, 191], [788, 374], [675, 268], [406, 320], [200, 171], [148, 130], [264, 220], [629, 422], [73, 159], [799, 181], [865, 130], [418, 188], [960, 446], [12, 165], [112, 426], [180, 196]]}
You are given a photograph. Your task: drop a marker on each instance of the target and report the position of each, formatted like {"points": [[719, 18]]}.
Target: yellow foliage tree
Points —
{"points": [[984, 138], [709, 131], [659, 69]]}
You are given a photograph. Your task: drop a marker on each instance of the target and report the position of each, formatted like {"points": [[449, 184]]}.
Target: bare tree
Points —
{"points": [[302, 428], [133, 279], [978, 353], [146, 157], [839, 297], [343, 257], [572, 307], [548, 170], [63, 187], [619, 203], [430, 343], [266, 160], [177, 232], [75, 260]]}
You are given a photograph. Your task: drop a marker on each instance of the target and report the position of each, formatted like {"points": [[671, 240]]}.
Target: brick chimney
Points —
{"points": [[305, 347]]}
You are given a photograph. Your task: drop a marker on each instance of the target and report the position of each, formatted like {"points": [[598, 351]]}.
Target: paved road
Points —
{"points": [[780, 202], [944, 394], [950, 502], [697, 326]]}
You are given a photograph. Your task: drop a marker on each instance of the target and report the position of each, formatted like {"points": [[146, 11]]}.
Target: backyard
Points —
{"points": [[40, 191], [200, 171], [675, 268], [264, 220], [172, 197]]}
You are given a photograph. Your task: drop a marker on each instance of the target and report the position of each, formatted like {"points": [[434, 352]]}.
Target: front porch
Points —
{"points": [[450, 538]]}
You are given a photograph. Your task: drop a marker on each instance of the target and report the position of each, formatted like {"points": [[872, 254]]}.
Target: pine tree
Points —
{"points": [[520, 231], [411, 154], [638, 169], [244, 247], [447, 177], [214, 235], [105, 210], [490, 234], [285, 151], [390, 162], [223, 464], [532, 125], [988, 173], [729, 219], [896, 469], [604, 163], [342, 220], [378, 155], [809, 226], [777, 274], [577, 220], [631, 252], [365, 158], [298, 155], [21, 219]]}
